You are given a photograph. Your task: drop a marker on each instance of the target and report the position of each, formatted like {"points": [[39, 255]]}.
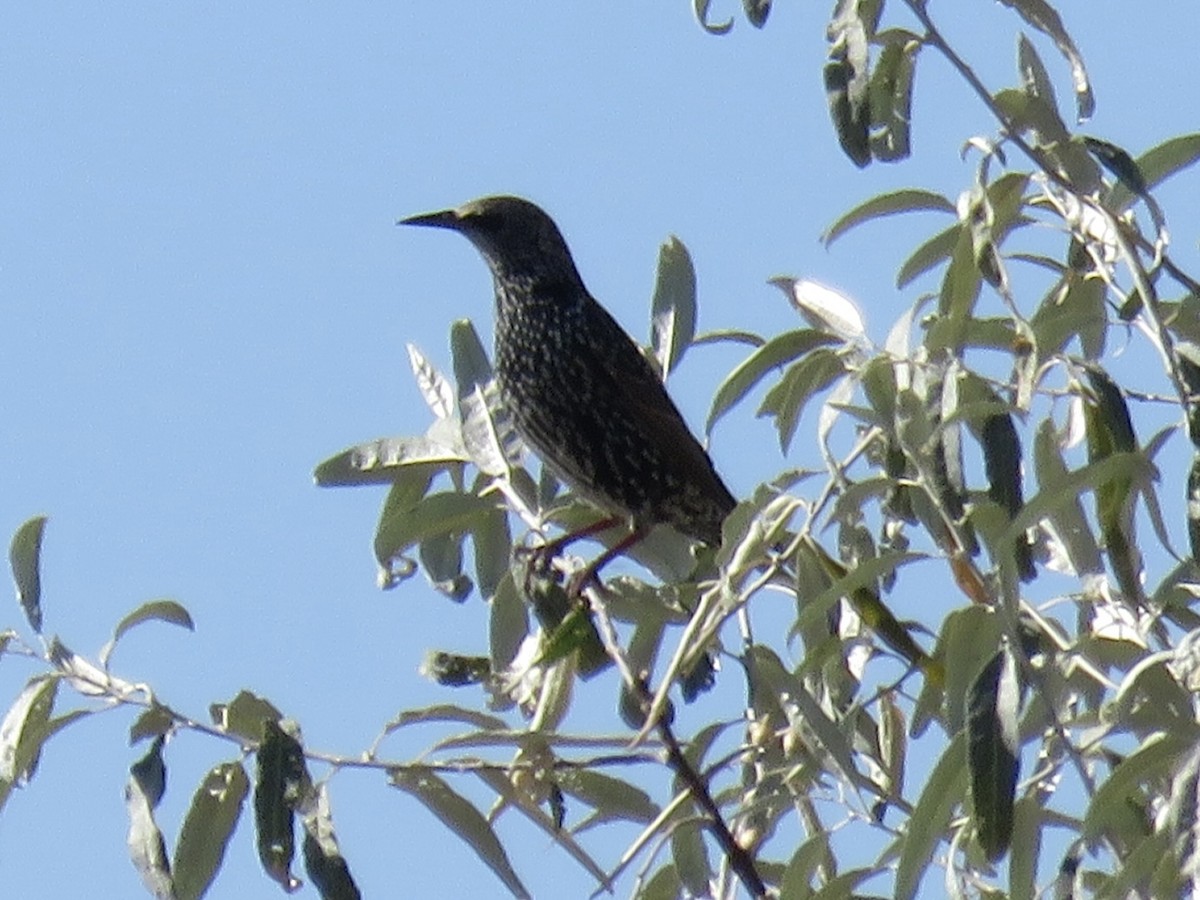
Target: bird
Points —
{"points": [[578, 389]]}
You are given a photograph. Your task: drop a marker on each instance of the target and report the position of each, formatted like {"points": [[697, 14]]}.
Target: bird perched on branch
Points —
{"points": [[577, 387]]}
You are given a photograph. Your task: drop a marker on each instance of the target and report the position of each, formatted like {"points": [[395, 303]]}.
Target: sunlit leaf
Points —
{"points": [[673, 308], [435, 387], [380, 461]]}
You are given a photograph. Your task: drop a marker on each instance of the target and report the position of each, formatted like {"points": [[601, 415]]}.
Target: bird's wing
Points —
{"points": [[635, 380]]}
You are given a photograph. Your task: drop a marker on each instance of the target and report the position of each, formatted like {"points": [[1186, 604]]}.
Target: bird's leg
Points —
{"points": [[584, 577], [541, 556]]}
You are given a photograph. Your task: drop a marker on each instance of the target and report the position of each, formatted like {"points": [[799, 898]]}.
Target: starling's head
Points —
{"points": [[516, 237]]}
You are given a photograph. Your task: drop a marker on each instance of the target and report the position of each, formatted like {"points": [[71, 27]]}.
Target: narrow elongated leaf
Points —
{"points": [[446, 512], [610, 797], [930, 817], [938, 248], [281, 784], [1042, 16], [1067, 518], [824, 308], [847, 80], [24, 555], [381, 461], [673, 308], [435, 387], [992, 752], [757, 11], [1156, 165], [1034, 77], [1193, 506], [1002, 461], [19, 730], [1110, 432], [464, 820], [690, 855], [209, 824], [799, 384], [159, 610], [323, 860], [147, 849], [778, 351], [891, 95], [903, 201], [700, 7]]}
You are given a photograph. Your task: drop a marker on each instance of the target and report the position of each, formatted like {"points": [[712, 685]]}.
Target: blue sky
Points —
{"points": [[202, 295]]}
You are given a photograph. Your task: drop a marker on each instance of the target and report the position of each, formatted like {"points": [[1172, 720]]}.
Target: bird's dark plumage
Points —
{"points": [[577, 387]]}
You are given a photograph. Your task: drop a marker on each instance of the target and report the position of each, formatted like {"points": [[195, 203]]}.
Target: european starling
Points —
{"points": [[577, 387]]}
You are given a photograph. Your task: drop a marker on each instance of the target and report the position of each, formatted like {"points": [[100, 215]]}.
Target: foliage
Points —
{"points": [[1054, 697]]}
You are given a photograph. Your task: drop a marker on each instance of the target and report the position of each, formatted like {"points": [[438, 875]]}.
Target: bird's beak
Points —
{"points": [[447, 218]]}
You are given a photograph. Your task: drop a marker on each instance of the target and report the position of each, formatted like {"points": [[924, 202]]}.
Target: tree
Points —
{"points": [[1052, 701]]}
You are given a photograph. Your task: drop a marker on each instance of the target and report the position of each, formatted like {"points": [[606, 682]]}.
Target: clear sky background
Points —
{"points": [[202, 295]]}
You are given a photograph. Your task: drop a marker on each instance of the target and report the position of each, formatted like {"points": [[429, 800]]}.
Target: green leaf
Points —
{"points": [[757, 11], [673, 309], [1002, 461], [1113, 805], [1119, 162], [150, 773], [382, 461], [207, 828], [903, 201], [690, 855], [1034, 77], [938, 248], [891, 95], [992, 752], [847, 80], [463, 819], [24, 555], [147, 849], [160, 610], [1156, 165], [930, 818], [323, 860], [508, 624], [1066, 518], [455, 670], [700, 7], [446, 512], [486, 434], [778, 351], [611, 797], [493, 551], [245, 715], [800, 383], [1042, 16], [23, 731], [281, 784]]}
